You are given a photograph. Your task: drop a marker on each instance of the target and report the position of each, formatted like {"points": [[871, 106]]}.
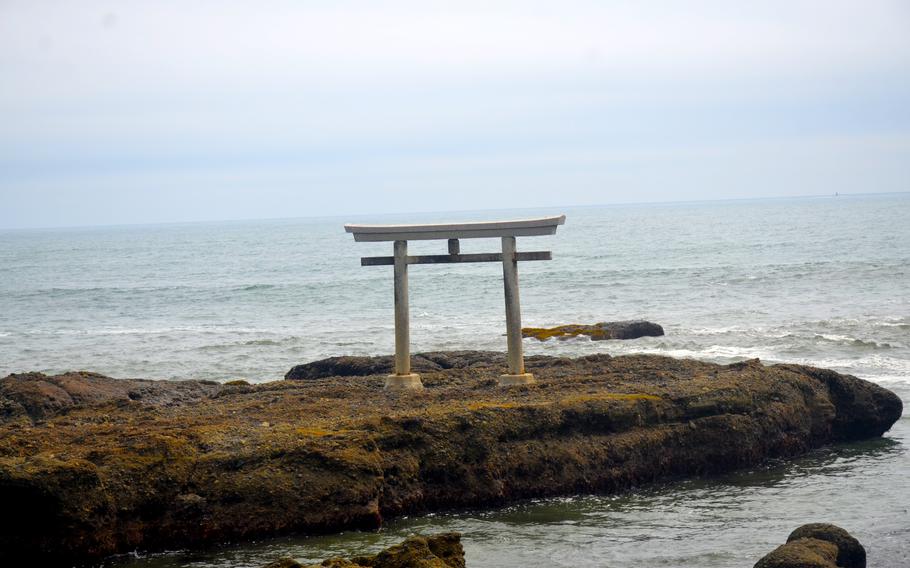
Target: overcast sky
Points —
{"points": [[128, 112]]}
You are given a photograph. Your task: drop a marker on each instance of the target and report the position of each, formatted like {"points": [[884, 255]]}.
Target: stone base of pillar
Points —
{"points": [[522, 379], [403, 382]]}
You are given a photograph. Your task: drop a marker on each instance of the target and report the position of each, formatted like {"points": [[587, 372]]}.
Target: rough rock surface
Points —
{"points": [[353, 366], [38, 396], [631, 329], [850, 553], [438, 551], [817, 545], [199, 463]]}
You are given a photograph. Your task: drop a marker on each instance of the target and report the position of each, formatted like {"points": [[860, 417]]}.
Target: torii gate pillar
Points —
{"points": [[516, 374], [402, 377]]}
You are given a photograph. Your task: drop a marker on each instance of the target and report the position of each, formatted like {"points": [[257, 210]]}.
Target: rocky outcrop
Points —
{"points": [[353, 366], [439, 551], [631, 329], [199, 463], [39, 396], [817, 545]]}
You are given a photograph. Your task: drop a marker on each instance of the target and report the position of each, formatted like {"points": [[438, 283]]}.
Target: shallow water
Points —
{"points": [[819, 281]]}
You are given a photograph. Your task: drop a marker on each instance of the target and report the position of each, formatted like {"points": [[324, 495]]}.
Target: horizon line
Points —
{"points": [[438, 211]]}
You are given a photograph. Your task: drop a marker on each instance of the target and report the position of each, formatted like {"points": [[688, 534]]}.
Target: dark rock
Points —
{"points": [[817, 545], [284, 563], [802, 553], [39, 396], [631, 329], [421, 552], [850, 553], [345, 366], [853, 397], [447, 546], [439, 551], [350, 366]]}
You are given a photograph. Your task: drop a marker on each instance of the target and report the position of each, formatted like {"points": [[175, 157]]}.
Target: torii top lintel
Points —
{"points": [[474, 230]]}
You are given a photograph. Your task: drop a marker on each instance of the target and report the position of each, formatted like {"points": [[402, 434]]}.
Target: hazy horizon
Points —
{"points": [[463, 214], [150, 112]]}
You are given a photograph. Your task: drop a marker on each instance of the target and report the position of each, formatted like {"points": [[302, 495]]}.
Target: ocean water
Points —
{"points": [[821, 281]]}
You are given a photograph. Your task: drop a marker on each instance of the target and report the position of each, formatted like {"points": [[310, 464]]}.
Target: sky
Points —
{"points": [[124, 111]]}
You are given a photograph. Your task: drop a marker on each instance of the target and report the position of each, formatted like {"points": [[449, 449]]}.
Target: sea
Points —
{"points": [[822, 281]]}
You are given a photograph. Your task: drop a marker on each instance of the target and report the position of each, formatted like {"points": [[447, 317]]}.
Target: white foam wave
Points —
{"points": [[150, 331]]}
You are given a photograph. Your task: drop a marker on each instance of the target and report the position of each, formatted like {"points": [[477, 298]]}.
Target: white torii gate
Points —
{"points": [[506, 230]]}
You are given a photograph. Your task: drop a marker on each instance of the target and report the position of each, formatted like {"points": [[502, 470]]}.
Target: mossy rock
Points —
{"points": [[817, 545], [632, 329], [439, 551], [850, 553], [145, 465], [801, 553]]}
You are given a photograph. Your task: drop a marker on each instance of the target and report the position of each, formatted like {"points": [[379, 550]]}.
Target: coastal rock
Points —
{"points": [[351, 366], [39, 396], [439, 551], [850, 553], [817, 545], [631, 329], [187, 467], [801, 553]]}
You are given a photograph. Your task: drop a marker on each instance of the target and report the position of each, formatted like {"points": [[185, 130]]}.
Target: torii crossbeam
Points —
{"points": [[402, 376]]}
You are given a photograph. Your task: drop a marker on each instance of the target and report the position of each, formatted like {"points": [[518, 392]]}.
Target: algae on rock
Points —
{"points": [[142, 465]]}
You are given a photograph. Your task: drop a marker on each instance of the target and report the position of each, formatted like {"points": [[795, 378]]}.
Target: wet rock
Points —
{"points": [[817, 545], [853, 398], [439, 551], [183, 466], [284, 563], [850, 553], [631, 329], [801, 553], [39, 396], [350, 366]]}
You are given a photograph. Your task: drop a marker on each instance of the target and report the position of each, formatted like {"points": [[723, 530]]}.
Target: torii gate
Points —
{"points": [[507, 230]]}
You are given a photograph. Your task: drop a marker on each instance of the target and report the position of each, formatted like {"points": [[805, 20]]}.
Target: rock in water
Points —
{"points": [[817, 545], [631, 329], [439, 551], [850, 553], [115, 466]]}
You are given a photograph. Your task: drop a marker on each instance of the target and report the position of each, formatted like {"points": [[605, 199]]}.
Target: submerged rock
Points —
{"points": [[439, 551], [631, 329], [188, 464], [817, 545]]}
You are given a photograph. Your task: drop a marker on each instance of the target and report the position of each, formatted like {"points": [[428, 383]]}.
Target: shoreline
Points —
{"points": [[234, 462]]}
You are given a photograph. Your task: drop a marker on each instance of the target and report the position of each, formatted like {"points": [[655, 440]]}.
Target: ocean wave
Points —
{"points": [[715, 330], [870, 321], [854, 342], [147, 331], [273, 342], [715, 353], [256, 287]]}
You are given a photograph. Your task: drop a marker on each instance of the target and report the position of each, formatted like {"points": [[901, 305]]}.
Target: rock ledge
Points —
{"points": [[136, 465]]}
